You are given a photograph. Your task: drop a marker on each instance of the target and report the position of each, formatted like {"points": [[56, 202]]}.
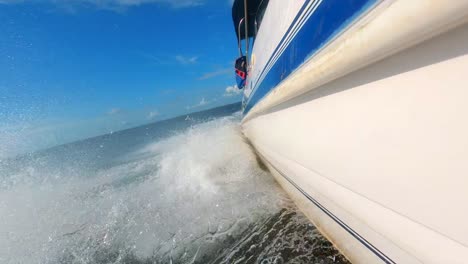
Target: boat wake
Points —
{"points": [[196, 196]]}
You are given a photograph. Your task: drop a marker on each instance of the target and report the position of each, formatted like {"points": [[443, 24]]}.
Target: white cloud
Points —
{"points": [[202, 102], [118, 4], [114, 111], [153, 114], [216, 73], [186, 60], [232, 91], [166, 59]]}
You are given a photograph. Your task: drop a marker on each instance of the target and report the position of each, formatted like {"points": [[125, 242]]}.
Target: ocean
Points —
{"points": [[184, 190]]}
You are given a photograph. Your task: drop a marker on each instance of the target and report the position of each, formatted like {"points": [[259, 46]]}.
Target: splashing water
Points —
{"points": [[197, 196]]}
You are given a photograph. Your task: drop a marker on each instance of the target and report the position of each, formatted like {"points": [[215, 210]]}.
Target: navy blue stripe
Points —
{"points": [[328, 20], [351, 231], [284, 37]]}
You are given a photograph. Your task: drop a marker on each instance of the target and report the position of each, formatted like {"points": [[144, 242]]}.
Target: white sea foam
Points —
{"points": [[177, 198]]}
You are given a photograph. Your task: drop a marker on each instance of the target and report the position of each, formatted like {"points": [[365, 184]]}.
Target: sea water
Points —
{"points": [[186, 190]]}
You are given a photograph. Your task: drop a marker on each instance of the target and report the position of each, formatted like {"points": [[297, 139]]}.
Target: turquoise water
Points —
{"points": [[187, 190]]}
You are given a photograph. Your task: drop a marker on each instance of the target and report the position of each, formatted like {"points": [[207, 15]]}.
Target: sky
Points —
{"points": [[72, 69]]}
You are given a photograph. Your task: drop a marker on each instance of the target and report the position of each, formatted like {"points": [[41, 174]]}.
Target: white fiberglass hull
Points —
{"points": [[377, 157]]}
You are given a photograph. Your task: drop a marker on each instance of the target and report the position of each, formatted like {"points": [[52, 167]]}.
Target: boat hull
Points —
{"points": [[376, 155]]}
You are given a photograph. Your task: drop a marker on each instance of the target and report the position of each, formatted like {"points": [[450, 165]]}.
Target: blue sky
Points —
{"points": [[78, 68]]}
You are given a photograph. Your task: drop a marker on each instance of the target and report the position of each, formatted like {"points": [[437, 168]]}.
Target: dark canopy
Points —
{"points": [[255, 9]]}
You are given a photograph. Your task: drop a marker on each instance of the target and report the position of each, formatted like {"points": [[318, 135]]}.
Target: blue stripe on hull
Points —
{"points": [[329, 19], [336, 219]]}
